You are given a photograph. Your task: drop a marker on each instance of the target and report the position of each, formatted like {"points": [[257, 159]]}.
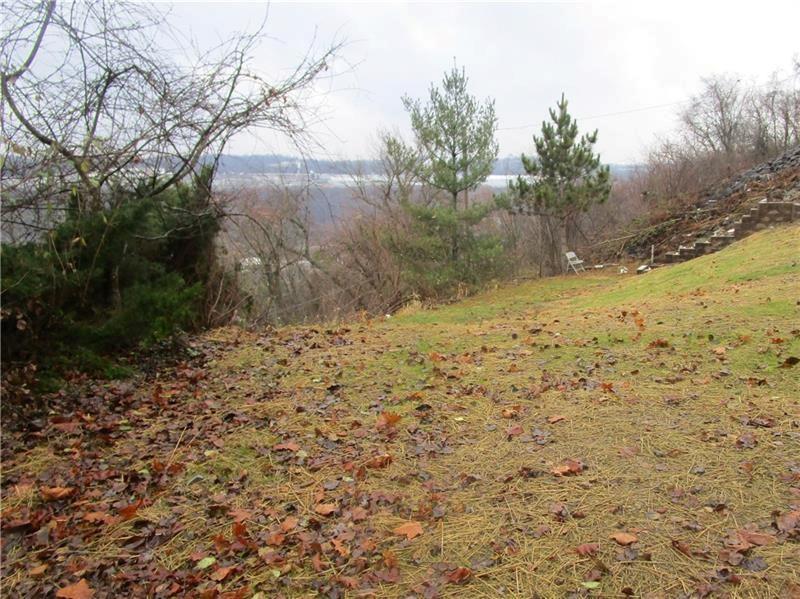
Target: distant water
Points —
{"points": [[228, 181]]}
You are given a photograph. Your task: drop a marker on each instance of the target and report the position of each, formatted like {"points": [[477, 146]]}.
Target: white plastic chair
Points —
{"points": [[574, 262]]}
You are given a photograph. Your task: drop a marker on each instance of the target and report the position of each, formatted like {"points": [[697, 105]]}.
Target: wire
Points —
{"points": [[642, 109], [600, 116]]}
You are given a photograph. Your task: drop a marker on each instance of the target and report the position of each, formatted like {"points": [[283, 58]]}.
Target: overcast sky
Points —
{"points": [[630, 58]]}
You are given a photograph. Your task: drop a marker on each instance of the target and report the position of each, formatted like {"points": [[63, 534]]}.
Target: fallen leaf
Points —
{"points": [[79, 590], [387, 420], [515, 431], [628, 451], [556, 418], [98, 517], [221, 574], [129, 511], [682, 547], [56, 493], [206, 562], [37, 571], [788, 522], [289, 524], [587, 549], [288, 446], [325, 509], [379, 461], [240, 515], [624, 538], [789, 362], [756, 538], [409, 529], [746, 441], [459, 575], [569, 467]]}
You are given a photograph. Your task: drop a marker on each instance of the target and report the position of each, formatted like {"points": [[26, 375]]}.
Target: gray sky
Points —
{"points": [[607, 58]]}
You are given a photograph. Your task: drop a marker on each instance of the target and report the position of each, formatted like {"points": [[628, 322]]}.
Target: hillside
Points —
{"points": [[601, 435]]}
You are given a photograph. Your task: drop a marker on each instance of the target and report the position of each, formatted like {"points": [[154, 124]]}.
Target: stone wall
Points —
{"points": [[763, 215]]}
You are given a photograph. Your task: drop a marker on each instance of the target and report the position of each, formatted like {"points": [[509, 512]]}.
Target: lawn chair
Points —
{"points": [[574, 262]]}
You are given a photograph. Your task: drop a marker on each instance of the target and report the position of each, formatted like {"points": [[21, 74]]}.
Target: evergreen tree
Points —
{"points": [[564, 179], [455, 140], [455, 133]]}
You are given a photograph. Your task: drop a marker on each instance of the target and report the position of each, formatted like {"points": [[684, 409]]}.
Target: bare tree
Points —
{"points": [[92, 104]]}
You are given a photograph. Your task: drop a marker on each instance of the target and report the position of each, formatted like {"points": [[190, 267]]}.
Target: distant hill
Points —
{"points": [[284, 164]]}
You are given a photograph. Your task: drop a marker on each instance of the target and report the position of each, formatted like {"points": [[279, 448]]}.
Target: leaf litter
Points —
{"points": [[358, 460]]}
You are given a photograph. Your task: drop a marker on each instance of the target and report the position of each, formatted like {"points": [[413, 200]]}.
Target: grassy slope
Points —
{"points": [[657, 427]]}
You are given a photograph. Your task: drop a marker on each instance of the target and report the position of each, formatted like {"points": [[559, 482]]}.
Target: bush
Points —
{"points": [[109, 279]]}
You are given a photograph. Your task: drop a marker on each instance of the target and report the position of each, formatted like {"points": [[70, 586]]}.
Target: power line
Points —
{"points": [[600, 116], [642, 109]]}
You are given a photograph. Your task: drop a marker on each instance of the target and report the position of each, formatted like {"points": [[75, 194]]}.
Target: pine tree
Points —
{"points": [[456, 135], [564, 179]]}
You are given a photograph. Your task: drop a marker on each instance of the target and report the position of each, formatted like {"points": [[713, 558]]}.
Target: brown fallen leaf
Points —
{"points": [[514, 431], [37, 571], [511, 411], [79, 590], [94, 517], [325, 509], [129, 511], [624, 538], [556, 418], [379, 461], [569, 467], [628, 451], [459, 575], [410, 530], [240, 515], [756, 538], [289, 524], [587, 549], [682, 547], [387, 420], [221, 574], [288, 446], [746, 441], [56, 493], [788, 522]]}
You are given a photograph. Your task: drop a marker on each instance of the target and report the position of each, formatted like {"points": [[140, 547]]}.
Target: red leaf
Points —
{"points": [[459, 575], [129, 511], [79, 590]]}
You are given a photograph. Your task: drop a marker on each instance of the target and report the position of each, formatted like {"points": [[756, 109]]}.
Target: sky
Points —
{"points": [[625, 68]]}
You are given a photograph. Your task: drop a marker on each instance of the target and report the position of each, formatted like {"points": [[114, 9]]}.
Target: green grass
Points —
{"points": [[668, 365]]}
